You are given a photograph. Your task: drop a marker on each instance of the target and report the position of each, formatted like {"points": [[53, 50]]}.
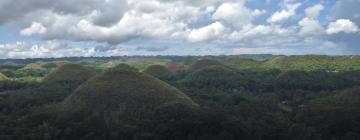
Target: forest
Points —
{"points": [[247, 97]]}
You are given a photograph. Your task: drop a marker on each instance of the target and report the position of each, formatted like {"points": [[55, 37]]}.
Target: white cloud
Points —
{"points": [[212, 31], [314, 11], [262, 50], [310, 27], [284, 14], [113, 22], [35, 28], [236, 13], [41, 50], [143, 19], [259, 32], [342, 25]]}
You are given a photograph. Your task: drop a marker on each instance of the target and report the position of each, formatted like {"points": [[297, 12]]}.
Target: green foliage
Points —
{"points": [[244, 63], [335, 116], [33, 70], [159, 71], [261, 97], [204, 63], [212, 78], [316, 81], [314, 63], [69, 72], [122, 67]]}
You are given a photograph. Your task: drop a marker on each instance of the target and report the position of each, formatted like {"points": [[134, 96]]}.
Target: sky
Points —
{"points": [[66, 28]]}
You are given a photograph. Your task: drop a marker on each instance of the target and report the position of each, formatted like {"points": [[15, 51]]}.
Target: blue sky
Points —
{"points": [[46, 28]]}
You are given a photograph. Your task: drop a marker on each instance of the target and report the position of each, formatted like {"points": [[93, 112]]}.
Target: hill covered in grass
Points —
{"points": [[314, 62], [69, 72], [158, 71], [212, 77], [130, 94], [204, 63], [122, 67]]}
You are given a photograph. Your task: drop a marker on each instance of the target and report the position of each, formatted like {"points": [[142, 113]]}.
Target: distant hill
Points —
{"points": [[314, 62], [69, 72], [212, 77], [174, 67], [122, 67], [204, 63], [158, 71], [244, 63]]}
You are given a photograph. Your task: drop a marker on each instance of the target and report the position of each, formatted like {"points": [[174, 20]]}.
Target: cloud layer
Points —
{"points": [[225, 23]]}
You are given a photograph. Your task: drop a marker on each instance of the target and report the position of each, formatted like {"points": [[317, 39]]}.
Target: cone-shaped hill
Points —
{"points": [[219, 77], [204, 63], [70, 72], [63, 81], [296, 79], [122, 67], [158, 71], [2, 77], [129, 94]]}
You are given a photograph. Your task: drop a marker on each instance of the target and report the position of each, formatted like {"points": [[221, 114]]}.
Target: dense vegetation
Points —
{"points": [[260, 97]]}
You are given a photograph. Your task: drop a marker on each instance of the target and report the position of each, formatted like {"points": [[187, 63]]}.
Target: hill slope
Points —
{"points": [[204, 63], [218, 77], [158, 71], [129, 94], [314, 62], [70, 72]]}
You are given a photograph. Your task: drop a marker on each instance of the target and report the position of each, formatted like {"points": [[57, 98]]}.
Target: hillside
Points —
{"points": [[314, 62], [203, 63], [212, 77], [69, 72], [130, 94], [122, 67], [158, 71]]}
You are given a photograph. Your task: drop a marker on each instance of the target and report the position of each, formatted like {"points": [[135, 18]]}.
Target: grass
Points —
{"points": [[204, 63], [219, 77], [129, 93], [158, 71], [70, 72]]}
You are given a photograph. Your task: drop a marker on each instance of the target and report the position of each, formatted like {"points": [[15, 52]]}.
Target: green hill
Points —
{"points": [[70, 72], [129, 94], [122, 67], [204, 63], [218, 77], [158, 71], [244, 63], [314, 62], [174, 66]]}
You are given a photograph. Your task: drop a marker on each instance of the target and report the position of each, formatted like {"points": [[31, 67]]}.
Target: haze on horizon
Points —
{"points": [[46, 28]]}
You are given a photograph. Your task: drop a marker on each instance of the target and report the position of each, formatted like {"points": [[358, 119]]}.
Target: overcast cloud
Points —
{"points": [[103, 27]]}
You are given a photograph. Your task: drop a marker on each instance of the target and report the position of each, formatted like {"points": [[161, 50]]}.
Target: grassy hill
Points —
{"points": [[212, 77], [204, 63], [314, 62], [129, 94], [70, 72], [122, 67], [158, 71]]}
